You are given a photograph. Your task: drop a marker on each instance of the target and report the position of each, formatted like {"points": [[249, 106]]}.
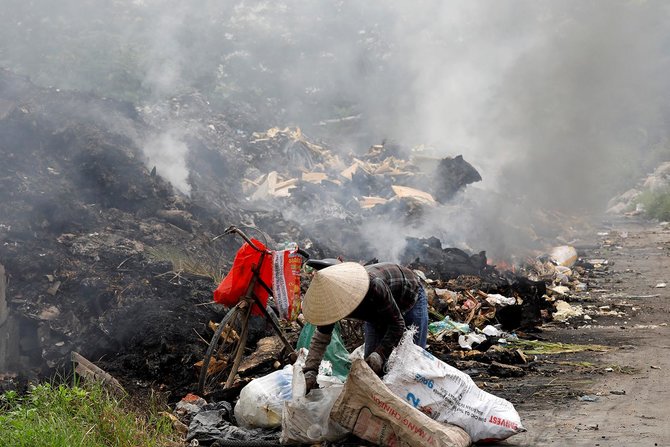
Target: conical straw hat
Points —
{"points": [[335, 292]]}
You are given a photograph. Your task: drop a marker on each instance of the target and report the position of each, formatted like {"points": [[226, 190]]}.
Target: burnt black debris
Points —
{"points": [[93, 236]]}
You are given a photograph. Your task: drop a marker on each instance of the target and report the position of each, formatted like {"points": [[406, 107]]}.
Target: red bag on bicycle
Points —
{"points": [[235, 284]]}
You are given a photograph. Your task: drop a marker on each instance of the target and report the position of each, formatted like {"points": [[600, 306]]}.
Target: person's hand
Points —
{"points": [[310, 381], [376, 363]]}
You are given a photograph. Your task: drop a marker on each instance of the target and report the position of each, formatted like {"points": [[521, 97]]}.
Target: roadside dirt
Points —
{"points": [[636, 364]]}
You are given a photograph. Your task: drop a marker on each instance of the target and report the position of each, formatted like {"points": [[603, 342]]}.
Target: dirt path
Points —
{"points": [[639, 355]]}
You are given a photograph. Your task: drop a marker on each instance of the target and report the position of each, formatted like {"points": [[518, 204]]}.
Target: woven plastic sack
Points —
{"points": [[448, 395]]}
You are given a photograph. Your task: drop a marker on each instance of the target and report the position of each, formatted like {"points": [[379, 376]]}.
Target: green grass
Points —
{"points": [[656, 203], [535, 347], [50, 415]]}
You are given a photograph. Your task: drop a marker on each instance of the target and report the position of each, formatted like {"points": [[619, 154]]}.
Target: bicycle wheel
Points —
{"points": [[220, 354]]}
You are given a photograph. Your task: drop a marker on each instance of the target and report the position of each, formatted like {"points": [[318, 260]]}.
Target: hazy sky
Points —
{"points": [[561, 104]]}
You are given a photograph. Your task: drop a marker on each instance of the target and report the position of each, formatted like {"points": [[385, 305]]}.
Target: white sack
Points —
{"points": [[448, 395]]}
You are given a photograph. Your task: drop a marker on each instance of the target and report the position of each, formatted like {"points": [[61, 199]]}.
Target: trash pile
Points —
{"points": [[107, 259], [419, 401], [348, 185]]}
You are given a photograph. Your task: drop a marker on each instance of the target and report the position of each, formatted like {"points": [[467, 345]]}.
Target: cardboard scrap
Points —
{"points": [[314, 177], [273, 187], [371, 201], [412, 193], [372, 412]]}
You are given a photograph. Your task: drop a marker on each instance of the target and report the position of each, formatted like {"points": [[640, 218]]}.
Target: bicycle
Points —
{"points": [[226, 348]]}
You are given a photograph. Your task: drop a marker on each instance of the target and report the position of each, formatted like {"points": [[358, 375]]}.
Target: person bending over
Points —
{"points": [[387, 297]]}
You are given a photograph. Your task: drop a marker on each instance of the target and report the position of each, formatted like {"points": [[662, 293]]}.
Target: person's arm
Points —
{"points": [[317, 349]]}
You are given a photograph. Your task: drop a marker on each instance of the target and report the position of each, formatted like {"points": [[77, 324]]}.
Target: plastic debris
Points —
{"points": [[467, 341], [212, 423], [565, 311], [492, 331], [306, 418], [447, 326], [261, 400], [564, 255], [499, 300]]}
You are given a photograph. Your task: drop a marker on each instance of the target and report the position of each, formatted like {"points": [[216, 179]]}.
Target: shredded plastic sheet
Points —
{"points": [[212, 423], [306, 418], [448, 395], [261, 400]]}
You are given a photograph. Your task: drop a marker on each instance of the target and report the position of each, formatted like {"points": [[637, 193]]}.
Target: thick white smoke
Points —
{"points": [[558, 104]]}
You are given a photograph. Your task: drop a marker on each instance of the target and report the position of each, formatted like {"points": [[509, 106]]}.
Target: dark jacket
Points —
{"points": [[393, 291]]}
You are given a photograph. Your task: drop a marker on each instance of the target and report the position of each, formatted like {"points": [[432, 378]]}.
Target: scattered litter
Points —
{"points": [[587, 398], [212, 423], [561, 290], [500, 300], [618, 392], [189, 405], [468, 340], [654, 367], [661, 285], [418, 195], [306, 418], [87, 369], [492, 331], [261, 400], [609, 370], [565, 311], [564, 255], [447, 326]]}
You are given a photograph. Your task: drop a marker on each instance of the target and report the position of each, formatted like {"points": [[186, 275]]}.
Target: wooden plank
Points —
{"points": [[87, 369]]}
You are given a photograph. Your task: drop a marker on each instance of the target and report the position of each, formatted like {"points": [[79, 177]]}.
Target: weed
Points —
{"points": [[61, 415], [656, 203]]}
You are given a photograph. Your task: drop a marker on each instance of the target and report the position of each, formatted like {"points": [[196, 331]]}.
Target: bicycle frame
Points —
{"points": [[248, 301]]}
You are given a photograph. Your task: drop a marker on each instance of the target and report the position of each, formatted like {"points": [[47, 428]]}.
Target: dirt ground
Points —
{"points": [[637, 363]]}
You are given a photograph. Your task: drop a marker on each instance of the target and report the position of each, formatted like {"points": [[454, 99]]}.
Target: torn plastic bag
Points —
{"points": [[212, 423], [306, 419], [336, 353], [262, 400], [448, 395]]}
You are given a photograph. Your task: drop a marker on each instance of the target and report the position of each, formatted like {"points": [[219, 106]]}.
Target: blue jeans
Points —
{"points": [[417, 316]]}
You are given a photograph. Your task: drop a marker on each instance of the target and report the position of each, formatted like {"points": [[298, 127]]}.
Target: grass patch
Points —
{"points": [[50, 415], [656, 204], [204, 265], [536, 347]]}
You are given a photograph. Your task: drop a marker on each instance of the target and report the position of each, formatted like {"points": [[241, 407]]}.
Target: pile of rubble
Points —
{"points": [[104, 257]]}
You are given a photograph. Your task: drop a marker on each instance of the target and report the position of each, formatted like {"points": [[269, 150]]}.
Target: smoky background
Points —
{"points": [[559, 105]]}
